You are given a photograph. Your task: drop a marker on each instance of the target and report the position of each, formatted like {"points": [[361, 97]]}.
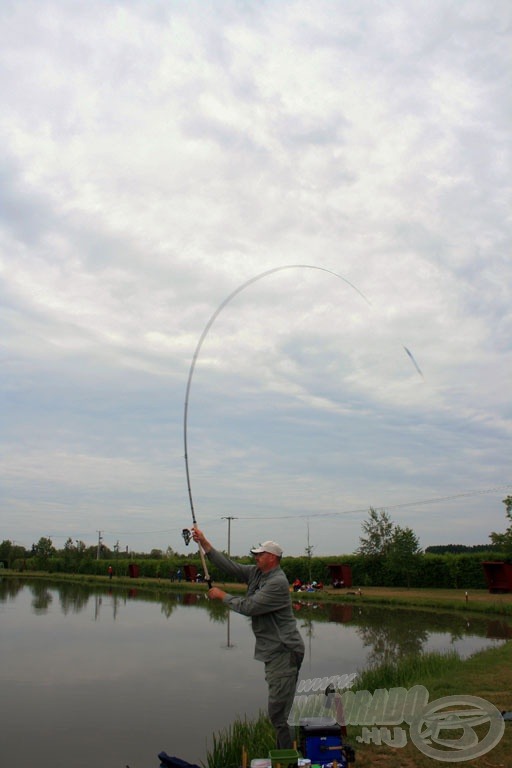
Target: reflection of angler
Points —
{"points": [[229, 644]]}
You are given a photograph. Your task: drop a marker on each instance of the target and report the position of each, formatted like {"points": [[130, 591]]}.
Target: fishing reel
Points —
{"points": [[187, 536]]}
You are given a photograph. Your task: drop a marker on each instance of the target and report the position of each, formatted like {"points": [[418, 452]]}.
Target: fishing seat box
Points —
{"points": [[321, 741]]}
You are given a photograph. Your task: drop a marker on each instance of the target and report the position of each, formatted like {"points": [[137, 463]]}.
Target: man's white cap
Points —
{"points": [[268, 546]]}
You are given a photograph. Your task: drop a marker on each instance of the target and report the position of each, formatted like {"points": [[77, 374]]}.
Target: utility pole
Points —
{"points": [[229, 519], [309, 553], [99, 546]]}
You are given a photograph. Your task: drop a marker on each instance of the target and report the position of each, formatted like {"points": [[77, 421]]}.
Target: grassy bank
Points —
{"points": [[147, 584], [487, 675], [476, 600]]}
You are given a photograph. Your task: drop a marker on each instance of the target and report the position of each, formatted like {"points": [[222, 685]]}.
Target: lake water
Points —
{"points": [[109, 678]]}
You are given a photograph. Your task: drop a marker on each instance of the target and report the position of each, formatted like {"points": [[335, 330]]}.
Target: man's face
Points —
{"points": [[265, 561]]}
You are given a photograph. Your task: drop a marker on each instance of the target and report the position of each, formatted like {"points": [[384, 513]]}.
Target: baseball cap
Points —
{"points": [[268, 546]]}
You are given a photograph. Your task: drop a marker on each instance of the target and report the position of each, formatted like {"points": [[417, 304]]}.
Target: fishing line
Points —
{"points": [[227, 300]]}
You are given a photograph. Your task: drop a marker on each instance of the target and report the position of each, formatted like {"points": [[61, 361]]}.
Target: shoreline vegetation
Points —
{"points": [[428, 598], [486, 674]]}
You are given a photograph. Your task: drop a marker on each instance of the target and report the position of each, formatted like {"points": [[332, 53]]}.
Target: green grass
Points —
{"points": [[408, 671], [255, 737], [487, 674]]}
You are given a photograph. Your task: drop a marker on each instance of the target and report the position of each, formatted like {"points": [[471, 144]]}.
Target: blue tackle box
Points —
{"points": [[321, 742]]}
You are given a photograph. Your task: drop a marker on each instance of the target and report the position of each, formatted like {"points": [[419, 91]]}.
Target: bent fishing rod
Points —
{"points": [[186, 532]]}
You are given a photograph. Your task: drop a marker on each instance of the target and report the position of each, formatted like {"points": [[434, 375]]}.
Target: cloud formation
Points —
{"points": [[154, 157]]}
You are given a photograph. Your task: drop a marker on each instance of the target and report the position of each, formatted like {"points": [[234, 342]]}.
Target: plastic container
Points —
{"points": [[261, 762], [284, 757]]}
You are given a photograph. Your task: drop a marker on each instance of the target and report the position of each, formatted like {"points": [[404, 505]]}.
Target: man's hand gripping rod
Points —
{"points": [[186, 537]]}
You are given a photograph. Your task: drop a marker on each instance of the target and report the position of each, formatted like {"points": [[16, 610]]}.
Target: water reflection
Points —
{"points": [[229, 644], [9, 589], [72, 598], [394, 640], [387, 634], [42, 598], [148, 671], [392, 634], [499, 629]]}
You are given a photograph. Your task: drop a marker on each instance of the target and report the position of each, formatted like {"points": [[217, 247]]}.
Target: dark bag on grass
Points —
{"points": [[174, 762]]}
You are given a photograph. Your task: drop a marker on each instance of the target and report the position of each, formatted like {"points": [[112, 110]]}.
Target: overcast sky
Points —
{"points": [[157, 155]]}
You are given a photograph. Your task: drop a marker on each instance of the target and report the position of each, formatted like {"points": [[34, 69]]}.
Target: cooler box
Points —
{"points": [[321, 742]]}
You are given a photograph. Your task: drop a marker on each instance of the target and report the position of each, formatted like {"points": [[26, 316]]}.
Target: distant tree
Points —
{"points": [[105, 551], [73, 553], [379, 534], [68, 553], [81, 547], [443, 549], [156, 554], [459, 549], [501, 541], [404, 542], [10, 552], [404, 554], [391, 552], [42, 551], [5, 551], [504, 540], [91, 552]]}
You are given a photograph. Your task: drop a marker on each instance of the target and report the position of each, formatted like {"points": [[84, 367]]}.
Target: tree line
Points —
{"points": [[388, 555], [72, 555]]}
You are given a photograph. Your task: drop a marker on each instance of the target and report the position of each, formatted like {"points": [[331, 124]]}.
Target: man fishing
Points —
{"points": [[278, 641]]}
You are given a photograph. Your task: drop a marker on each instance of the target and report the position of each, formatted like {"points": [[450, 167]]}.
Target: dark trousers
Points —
{"points": [[281, 675]]}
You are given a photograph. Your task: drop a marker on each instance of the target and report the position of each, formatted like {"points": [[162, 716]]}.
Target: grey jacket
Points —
{"points": [[267, 602]]}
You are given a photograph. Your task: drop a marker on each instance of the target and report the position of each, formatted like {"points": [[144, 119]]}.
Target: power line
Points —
{"points": [[379, 508], [295, 516]]}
